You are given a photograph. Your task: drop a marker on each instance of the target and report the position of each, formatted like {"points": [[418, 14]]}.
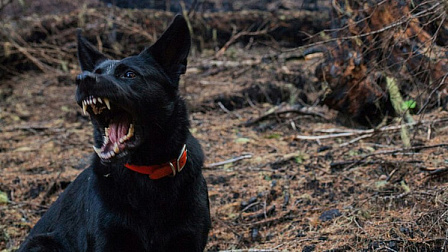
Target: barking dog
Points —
{"points": [[144, 190]]}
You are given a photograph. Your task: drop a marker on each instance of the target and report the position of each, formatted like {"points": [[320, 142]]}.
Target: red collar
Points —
{"points": [[162, 170]]}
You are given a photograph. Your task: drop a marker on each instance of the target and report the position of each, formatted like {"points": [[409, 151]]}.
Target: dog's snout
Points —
{"points": [[85, 77]]}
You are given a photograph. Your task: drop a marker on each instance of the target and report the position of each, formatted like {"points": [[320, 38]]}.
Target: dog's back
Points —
{"points": [[144, 190]]}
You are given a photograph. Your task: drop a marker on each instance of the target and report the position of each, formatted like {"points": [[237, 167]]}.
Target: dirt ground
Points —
{"points": [[361, 192]]}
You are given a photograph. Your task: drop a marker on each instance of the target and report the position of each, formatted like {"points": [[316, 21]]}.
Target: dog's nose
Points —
{"points": [[85, 77]]}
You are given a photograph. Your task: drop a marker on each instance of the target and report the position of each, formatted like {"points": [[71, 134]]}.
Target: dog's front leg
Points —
{"points": [[43, 243]]}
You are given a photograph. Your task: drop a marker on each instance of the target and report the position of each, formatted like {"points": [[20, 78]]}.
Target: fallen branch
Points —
{"points": [[279, 111], [338, 165], [228, 161], [228, 111], [239, 35], [435, 172], [43, 67], [345, 133], [361, 159], [301, 137], [356, 139]]}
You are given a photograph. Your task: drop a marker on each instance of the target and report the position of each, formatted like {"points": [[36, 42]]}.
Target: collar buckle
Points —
{"points": [[172, 169], [180, 166]]}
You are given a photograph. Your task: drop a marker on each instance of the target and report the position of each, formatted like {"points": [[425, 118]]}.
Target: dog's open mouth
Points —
{"points": [[115, 124]]}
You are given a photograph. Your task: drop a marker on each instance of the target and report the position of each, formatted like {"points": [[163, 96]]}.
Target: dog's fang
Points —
{"points": [[116, 149], [99, 100], [84, 107], [107, 103], [97, 150], [106, 132], [130, 132]]}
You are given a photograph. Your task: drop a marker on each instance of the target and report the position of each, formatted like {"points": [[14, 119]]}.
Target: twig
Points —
{"points": [[345, 133], [228, 111], [286, 216], [52, 189], [237, 36], [435, 172], [32, 128], [301, 111], [358, 36], [356, 139], [33, 59], [336, 165], [326, 136], [232, 160], [387, 152], [434, 223], [442, 83]]}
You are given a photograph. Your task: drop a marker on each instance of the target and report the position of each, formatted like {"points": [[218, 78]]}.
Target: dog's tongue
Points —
{"points": [[118, 128]]}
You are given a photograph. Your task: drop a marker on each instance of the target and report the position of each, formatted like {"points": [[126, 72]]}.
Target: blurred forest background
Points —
{"points": [[323, 121]]}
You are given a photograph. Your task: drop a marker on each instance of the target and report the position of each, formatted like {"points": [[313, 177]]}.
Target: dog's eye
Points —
{"points": [[128, 75]]}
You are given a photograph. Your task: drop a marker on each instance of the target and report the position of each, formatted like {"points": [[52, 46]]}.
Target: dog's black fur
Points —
{"points": [[109, 207]]}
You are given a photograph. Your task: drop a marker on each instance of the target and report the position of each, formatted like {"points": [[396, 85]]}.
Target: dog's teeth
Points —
{"points": [[111, 154], [130, 131], [106, 132], [99, 100], [105, 140], [97, 150], [84, 108], [94, 100], [106, 101], [116, 149]]}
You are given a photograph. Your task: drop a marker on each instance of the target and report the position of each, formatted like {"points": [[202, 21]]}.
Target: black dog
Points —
{"points": [[144, 190]]}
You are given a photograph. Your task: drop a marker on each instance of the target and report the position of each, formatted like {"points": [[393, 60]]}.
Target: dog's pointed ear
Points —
{"points": [[89, 57], [172, 48]]}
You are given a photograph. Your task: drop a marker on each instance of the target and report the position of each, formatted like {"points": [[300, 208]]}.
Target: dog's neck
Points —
{"points": [[163, 143]]}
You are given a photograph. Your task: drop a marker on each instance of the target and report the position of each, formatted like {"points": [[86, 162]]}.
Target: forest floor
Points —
{"points": [[362, 191]]}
